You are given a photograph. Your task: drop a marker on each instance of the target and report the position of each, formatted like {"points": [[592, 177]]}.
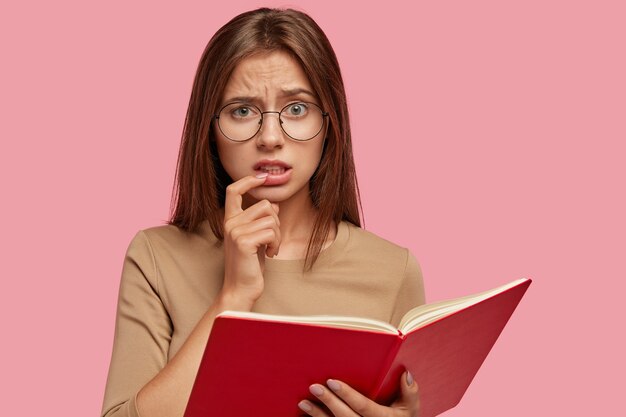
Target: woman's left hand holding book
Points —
{"points": [[344, 401]]}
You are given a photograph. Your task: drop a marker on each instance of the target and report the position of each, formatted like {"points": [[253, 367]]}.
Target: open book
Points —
{"points": [[259, 364]]}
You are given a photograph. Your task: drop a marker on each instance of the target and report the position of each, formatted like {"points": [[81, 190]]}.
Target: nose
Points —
{"points": [[271, 135]]}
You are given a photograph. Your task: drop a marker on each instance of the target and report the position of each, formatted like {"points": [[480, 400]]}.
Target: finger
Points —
{"points": [[251, 243], [334, 403], [259, 209], [234, 191], [267, 222], [361, 405], [311, 409], [409, 398]]}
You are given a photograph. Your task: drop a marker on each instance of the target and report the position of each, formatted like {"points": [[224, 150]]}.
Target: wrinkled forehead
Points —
{"points": [[268, 78]]}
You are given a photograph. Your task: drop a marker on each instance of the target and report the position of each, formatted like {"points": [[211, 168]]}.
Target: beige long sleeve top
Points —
{"points": [[171, 277]]}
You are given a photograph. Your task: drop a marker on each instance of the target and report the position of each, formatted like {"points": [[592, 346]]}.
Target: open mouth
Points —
{"points": [[273, 170], [272, 167], [279, 171]]}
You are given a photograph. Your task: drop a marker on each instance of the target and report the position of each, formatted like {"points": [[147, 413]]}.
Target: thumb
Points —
{"points": [[409, 395]]}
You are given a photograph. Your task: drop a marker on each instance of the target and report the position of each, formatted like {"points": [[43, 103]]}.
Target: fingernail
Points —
{"points": [[316, 390], [262, 175], [409, 378], [334, 385], [305, 406]]}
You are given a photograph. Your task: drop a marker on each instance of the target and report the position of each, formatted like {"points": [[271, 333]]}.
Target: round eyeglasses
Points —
{"points": [[240, 121]]}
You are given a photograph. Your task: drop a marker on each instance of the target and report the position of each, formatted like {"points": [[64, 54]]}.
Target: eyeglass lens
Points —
{"points": [[301, 121]]}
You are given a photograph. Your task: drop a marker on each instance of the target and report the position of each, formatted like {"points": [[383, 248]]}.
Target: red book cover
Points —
{"points": [[253, 366], [444, 356]]}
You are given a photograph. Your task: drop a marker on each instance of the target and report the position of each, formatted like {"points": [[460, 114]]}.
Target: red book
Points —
{"points": [[259, 364]]}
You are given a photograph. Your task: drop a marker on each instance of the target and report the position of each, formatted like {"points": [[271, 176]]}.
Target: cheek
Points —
{"points": [[316, 155]]}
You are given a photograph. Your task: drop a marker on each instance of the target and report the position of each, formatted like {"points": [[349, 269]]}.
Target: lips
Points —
{"points": [[267, 165], [279, 171]]}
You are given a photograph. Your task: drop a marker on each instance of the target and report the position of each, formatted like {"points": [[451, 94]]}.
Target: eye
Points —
{"points": [[242, 112], [296, 110]]}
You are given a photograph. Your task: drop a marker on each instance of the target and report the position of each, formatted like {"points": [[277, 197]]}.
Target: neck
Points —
{"points": [[296, 221]]}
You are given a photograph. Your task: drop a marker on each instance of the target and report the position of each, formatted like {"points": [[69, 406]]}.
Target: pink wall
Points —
{"points": [[489, 138]]}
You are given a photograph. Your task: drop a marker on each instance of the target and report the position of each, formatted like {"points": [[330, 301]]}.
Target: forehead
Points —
{"points": [[266, 76]]}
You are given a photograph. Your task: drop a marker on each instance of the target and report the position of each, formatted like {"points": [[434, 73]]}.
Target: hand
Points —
{"points": [[344, 401], [248, 236]]}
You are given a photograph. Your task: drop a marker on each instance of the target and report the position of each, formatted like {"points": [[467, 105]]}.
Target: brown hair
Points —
{"points": [[199, 190]]}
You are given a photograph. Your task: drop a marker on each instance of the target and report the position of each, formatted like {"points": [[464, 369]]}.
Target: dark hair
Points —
{"points": [[199, 190]]}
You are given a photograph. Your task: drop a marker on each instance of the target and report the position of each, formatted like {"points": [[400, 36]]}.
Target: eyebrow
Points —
{"points": [[284, 93], [296, 91]]}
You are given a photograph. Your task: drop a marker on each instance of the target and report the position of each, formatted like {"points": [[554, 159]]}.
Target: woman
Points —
{"points": [[266, 219]]}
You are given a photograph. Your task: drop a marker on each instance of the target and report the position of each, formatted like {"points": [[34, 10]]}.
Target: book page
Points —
{"points": [[415, 318], [346, 322], [428, 313]]}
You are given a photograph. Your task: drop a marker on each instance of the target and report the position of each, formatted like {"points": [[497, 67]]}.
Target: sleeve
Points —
{"points": [[411, 291], [143, 331]]}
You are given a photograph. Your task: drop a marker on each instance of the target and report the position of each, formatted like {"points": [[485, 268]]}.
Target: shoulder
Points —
{"points": [[170, 239], [369, 244], [401, 269], [366, 251], [177, 262]]}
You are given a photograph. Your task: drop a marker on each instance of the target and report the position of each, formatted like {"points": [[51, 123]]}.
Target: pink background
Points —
{"points": [[489, 138]]}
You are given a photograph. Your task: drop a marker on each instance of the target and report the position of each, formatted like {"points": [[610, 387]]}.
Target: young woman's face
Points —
{"points": [[270, 81]]}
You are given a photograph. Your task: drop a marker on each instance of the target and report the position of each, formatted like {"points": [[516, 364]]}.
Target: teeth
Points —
{"points": [[273, 170]]}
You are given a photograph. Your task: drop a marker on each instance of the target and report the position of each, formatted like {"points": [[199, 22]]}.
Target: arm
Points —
{"points": [[141, 381], [167, 393], [142, 331], [142, 337]]}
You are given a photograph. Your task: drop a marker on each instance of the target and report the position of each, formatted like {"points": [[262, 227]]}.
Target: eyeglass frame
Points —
{"points": [[216, 116]]}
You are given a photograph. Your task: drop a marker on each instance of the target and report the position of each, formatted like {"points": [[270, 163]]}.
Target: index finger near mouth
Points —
{"points": [[232, 205]]}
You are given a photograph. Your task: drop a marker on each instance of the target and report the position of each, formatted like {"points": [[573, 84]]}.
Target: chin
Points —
{"points": [[273, 194]]}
